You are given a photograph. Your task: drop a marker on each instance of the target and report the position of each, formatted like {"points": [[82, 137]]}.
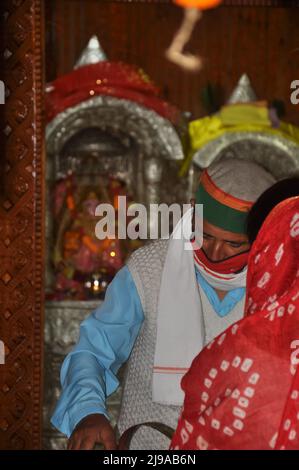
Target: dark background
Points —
{"points": [[258, 40]]}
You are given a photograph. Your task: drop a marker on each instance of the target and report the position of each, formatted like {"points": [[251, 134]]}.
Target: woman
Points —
{"points": [[242, 390], [281, 190]]}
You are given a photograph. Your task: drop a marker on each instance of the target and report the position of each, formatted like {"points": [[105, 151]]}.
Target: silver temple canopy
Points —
{"points": [[278, 154]]}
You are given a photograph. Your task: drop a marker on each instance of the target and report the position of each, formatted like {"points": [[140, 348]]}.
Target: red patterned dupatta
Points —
{"points": [[242, 390]]}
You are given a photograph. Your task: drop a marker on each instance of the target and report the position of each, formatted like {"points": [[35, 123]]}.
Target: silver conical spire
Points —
{"points": [[92, 54], [243, 93]]}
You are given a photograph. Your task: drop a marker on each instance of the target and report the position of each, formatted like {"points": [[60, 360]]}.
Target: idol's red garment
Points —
{"points": [[242, 390]]}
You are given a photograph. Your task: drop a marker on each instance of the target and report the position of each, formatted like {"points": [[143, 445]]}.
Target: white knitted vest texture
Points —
{"points": [[146, 265]]}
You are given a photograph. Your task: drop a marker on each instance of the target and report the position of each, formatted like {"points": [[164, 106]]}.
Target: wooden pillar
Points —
{"points": [[21, 224]]}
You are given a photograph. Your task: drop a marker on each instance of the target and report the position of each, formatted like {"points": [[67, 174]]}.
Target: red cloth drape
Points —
{"points": [[242, 390], [115, 79]]}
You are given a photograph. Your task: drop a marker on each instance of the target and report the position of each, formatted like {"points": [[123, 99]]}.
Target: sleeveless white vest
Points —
{"points": [[146, 266]]}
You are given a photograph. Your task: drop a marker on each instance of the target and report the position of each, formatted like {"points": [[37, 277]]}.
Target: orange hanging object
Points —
{"points": [[200, 4], [192, 14]]}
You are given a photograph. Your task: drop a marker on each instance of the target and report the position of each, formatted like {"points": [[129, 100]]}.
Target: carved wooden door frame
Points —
{"points": [[22, 225]]}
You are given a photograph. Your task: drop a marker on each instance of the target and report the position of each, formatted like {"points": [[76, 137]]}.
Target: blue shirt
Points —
{"points": [[107, 337], [225, 306]]}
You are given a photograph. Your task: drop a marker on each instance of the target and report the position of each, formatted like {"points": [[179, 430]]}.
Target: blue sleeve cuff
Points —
{"points": [[107, 336], [67, 424]]}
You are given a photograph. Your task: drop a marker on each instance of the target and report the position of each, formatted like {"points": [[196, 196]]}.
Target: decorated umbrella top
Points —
{"points": [[94, 75]]}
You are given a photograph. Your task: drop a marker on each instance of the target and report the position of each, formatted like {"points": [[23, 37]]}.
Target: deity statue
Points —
{"points": [[83, 264]]}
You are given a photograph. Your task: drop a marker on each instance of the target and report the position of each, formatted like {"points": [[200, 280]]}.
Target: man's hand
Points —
{"points": [[92, 429]]}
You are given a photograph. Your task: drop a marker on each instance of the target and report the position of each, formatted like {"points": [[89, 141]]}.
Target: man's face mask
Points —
{"points": [[223, 251]]}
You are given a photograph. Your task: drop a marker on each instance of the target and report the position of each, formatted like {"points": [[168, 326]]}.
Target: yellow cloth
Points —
{"points": [[241, 117]]}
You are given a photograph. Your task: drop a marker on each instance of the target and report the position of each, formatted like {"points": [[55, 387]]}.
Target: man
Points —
{"points": [[161, 309]]}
